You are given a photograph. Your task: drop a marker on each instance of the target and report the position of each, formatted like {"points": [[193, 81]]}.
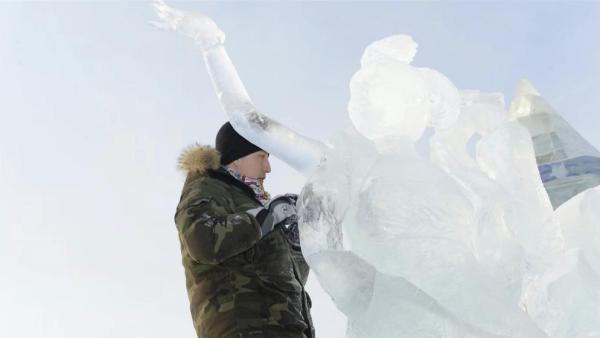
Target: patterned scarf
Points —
{"points": [[261, 194]]}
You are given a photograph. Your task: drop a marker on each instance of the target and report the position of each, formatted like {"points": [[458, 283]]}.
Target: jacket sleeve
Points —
{"points": [[211, 234]]}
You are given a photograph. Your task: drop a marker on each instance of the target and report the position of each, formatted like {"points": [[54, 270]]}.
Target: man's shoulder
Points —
{"points": [[200, 164], [206, 178], [207, 184], [198, 159], [198, 188]]}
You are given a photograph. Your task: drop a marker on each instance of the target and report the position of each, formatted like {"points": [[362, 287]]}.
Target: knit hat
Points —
{"points": [[232, 145]]}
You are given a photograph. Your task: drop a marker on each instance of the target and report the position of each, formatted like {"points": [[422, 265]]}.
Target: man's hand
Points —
{"points": [[280, 211], [283, 210]]}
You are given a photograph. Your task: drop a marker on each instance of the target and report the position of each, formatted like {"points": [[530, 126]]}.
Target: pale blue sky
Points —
{"points": [[96, 104]]}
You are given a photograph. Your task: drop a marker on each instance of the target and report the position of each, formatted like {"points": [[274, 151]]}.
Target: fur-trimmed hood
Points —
{"points": [[199, 158]]}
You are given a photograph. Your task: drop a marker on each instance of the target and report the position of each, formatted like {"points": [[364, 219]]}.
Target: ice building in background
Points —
{"points": [[568, 163]]}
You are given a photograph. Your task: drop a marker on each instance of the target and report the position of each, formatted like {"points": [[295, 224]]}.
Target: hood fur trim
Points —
{"points": [[199, 158]]}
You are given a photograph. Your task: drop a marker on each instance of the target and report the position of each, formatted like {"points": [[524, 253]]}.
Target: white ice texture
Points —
{"points": [[462, 241], [389, 97], [451, 244]]}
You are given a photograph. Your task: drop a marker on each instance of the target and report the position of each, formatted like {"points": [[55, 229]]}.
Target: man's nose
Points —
{"points": [[267, 166]]}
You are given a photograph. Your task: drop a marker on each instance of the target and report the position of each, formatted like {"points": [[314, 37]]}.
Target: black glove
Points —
{"points": [[290, 224], [280, 211]]}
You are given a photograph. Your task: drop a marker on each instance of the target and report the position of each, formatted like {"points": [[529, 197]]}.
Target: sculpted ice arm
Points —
{"points": [[300, 152]]}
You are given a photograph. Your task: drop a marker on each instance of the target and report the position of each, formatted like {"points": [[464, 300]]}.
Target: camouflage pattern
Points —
{"points": [[238, 284]]}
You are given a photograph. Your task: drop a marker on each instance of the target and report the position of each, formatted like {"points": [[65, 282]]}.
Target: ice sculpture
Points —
{"points": [[565, 299], [447, 245], [568, 163]]}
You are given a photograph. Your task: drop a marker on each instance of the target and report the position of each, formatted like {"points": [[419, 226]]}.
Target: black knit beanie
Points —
{"points": [[232, 145]]}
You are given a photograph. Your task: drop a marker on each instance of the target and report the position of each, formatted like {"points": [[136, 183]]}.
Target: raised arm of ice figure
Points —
{"points": [[300, 152]]}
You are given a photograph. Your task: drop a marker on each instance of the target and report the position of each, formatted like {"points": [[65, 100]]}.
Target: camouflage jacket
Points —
{"points": [[238, 284]]}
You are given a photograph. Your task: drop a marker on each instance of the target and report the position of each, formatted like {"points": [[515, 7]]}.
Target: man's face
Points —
{"points": [[255, 165]]}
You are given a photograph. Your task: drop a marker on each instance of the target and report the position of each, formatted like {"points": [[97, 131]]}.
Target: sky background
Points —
{"points": [[96, 105]]}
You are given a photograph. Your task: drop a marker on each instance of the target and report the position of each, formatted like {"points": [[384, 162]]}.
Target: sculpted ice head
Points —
{"points": [[389, 98]]}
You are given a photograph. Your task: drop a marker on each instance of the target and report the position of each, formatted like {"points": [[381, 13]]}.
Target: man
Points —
{"points": [[245, 273]]}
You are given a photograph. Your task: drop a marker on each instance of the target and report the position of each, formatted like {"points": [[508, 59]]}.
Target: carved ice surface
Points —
{"points": [[414, 229], [461, 242], [389, 97], [565, 300], [452, 244]]}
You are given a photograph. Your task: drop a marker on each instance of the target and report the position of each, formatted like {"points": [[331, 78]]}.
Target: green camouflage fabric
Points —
{"points": [[238, 284]]}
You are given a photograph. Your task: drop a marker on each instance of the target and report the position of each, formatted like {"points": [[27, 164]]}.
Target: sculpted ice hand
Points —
{"points": [[197, 26]]}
